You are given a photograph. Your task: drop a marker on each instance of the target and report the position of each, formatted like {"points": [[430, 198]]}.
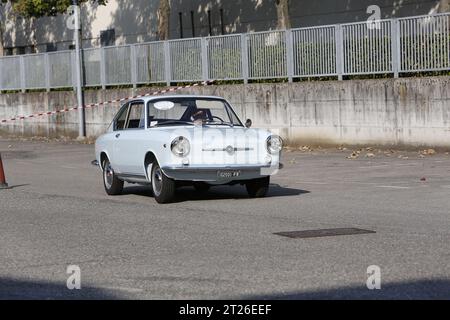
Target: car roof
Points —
{"points": [[151, 98]]}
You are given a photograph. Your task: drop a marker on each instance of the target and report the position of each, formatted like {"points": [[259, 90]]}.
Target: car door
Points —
{"points": [[127, 154], [118, 127]]}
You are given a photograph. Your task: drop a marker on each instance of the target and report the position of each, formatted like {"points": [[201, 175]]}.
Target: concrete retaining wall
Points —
{"points": [[408, 111]]}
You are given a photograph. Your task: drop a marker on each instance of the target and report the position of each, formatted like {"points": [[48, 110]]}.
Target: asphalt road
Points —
{"points": [[222, 244]]}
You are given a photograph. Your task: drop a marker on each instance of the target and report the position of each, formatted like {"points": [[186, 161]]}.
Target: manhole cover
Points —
{"points": [[323, 233]]}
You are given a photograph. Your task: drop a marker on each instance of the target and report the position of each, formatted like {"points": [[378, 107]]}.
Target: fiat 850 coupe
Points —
{"points": [[172, 141]]}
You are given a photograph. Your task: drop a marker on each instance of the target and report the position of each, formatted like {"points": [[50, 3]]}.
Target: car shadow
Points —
{"points": [[216, 193]]}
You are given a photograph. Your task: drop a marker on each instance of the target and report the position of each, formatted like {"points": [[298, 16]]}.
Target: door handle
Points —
{"points": [[117, 135]]}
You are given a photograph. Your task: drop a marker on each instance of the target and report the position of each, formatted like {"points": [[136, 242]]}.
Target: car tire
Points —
{"points": [[113, 185], [163, 187], [258, 188], [201, 186]]}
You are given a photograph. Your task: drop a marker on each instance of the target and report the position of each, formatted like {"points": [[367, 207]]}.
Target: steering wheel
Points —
{"points": [[220, 119]]}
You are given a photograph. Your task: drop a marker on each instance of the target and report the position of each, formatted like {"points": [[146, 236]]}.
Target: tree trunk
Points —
{"points": [[444, 6], [2, 28], [284, 21], [33, 37], [163, 15], [1, 39]]}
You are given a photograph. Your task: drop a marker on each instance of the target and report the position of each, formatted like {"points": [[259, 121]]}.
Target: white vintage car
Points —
{"points": [[172, 141]]}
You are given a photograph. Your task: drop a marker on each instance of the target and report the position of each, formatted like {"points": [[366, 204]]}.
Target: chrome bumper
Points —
{"points": [[210, 174]]}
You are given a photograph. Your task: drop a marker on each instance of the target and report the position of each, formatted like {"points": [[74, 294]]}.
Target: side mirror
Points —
{"points": [[248, 123]]}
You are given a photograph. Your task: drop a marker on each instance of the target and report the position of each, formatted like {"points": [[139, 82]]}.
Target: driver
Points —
{"points": [[198, 117]]}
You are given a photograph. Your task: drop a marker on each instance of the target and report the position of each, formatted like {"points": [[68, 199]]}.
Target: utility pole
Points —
{"points": [[81, 118]]}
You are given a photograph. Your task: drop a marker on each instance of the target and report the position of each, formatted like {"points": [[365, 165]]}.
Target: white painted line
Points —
{"points": [[373, 167], [407, 164], [393, 187]]}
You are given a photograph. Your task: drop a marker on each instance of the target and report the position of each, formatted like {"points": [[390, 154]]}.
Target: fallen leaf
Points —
{"points": [[428, 152], [354, 155]]}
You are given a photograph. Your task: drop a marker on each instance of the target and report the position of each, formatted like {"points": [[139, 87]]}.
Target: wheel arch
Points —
{"points": [[150, 157], [103, 156]]}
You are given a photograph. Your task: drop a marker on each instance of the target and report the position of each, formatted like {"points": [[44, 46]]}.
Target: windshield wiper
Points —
{"points": [[173, 122]]}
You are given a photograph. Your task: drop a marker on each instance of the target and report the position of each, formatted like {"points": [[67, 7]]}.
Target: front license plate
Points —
{"points": [[226, 174]]}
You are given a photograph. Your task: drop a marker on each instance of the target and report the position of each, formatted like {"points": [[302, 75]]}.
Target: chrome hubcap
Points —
{"points": [[157, 181], [108, 174]]}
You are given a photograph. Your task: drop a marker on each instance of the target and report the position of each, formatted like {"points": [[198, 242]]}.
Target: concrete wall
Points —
{"points": [[409, 111], [135, 21]]}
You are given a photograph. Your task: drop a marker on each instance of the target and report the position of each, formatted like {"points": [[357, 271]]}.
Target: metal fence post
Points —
{"points": [[47, 71], [133, 64], [289, 55], [339, 52], [244, 56], [205, 62], [22, 74], [167, 65], [103, 68], [395, 47]]}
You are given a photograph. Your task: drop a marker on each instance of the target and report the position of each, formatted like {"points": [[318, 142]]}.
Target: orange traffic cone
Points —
{"points": [[3, 184]]}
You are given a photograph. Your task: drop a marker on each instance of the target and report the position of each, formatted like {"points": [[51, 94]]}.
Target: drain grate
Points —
{"points": [[323, 233]]}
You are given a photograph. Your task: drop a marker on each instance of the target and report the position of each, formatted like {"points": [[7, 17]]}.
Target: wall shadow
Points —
{"points": [[20, 289], [429, 289]]}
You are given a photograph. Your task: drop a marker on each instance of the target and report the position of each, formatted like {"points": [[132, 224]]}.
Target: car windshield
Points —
{"points": [[191, 111]]}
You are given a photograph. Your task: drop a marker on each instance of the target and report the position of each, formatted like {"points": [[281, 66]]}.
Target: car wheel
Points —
{"points": [[113, 185], [201, 186], [258, 188], [163, 186]]}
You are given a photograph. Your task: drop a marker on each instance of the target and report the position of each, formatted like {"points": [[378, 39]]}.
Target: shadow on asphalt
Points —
{"points": [[17, 186], [20, 289], [436, 289], [216, 193]]}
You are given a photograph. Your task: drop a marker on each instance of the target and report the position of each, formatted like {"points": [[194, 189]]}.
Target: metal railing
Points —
{"points": [[393, 46]]}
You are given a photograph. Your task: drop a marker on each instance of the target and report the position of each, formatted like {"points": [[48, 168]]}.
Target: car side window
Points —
{"points": [[121, 118], [136, 116]]}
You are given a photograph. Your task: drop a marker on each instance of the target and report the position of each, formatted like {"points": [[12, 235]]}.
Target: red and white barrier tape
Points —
{"points": [[93, 105]]}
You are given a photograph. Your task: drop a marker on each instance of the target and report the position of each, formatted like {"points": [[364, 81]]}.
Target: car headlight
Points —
{"points": [[274, 144], [180, 147]]}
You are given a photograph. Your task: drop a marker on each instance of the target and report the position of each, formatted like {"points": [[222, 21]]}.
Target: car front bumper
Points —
{"points": [[212, 174]]}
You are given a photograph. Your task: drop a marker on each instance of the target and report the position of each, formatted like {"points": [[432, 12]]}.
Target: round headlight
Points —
{"points": [[274, 144], [181, 147]]}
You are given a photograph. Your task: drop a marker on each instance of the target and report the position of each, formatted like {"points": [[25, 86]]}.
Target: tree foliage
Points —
{"points": [[40, 8]]}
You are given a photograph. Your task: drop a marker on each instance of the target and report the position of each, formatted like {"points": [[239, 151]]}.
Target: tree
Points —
{"points": [[163, 16], [34, 9], [1, 30], [41, 8], [284, 22]]}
